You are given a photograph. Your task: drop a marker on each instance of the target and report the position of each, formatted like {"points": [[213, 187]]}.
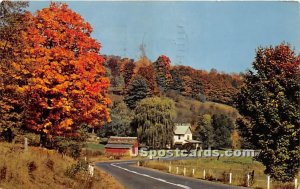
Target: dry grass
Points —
{"points": [[107, 181], [39, 168]]}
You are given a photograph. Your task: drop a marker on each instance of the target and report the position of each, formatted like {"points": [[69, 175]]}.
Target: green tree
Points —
{"points": [[154, 121], [223, 127], [205, 131], [270, 104], [120, 125], [137, 91]]}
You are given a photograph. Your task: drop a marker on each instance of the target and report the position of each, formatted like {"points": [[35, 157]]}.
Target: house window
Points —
{"points": [[178, 137], [188, 137]]}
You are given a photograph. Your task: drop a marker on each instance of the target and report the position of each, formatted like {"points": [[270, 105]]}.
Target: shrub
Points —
{"points": [[74, 169], [68, 146], [87, 182], [74, 150]]}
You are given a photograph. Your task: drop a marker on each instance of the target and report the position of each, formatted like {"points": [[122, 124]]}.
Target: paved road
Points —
{"points": [[132, 177]]}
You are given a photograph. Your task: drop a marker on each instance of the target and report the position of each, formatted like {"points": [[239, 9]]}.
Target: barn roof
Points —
{"points": [[126, 146], [122, 140]]}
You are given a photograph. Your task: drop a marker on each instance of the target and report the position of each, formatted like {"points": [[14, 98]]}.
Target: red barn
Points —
{"points": [[121, 145]]}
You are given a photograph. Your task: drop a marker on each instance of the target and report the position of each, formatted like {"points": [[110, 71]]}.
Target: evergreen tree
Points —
{"points": [[137, 91], [162, 68]]}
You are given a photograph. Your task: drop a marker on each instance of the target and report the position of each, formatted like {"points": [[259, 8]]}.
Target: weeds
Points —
{"points": [[3, 171]]}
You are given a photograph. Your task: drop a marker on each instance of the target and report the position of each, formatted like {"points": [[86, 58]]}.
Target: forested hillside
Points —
{"points": [[163, 77], [201, 98]]}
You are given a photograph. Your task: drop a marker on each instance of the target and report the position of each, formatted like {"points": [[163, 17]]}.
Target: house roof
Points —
{"points": [[122, 140], [181, 129], [122, 146]]}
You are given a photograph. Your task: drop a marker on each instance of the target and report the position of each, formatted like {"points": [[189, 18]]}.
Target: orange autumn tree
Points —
{"points": [[144, 68], [66, 85], [11, 25]]}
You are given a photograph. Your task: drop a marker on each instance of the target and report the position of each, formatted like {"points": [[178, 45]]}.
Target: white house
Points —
{"points": [[183, 135]]}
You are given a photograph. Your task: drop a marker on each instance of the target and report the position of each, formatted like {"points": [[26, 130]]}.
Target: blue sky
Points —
{"points": [[204, 35]]}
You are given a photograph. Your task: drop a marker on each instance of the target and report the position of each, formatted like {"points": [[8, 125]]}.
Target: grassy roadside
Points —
{"points": [[40, 168], [219, 170]]}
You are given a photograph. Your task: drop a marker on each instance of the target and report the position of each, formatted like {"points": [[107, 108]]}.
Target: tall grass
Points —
{"points": [[39, 168]]}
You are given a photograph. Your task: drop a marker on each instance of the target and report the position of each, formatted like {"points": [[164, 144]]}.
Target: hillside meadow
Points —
{"points": [[39, 168]]}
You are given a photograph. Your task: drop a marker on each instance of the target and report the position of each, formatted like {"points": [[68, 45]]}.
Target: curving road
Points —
{"points": [[132, 177]]}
